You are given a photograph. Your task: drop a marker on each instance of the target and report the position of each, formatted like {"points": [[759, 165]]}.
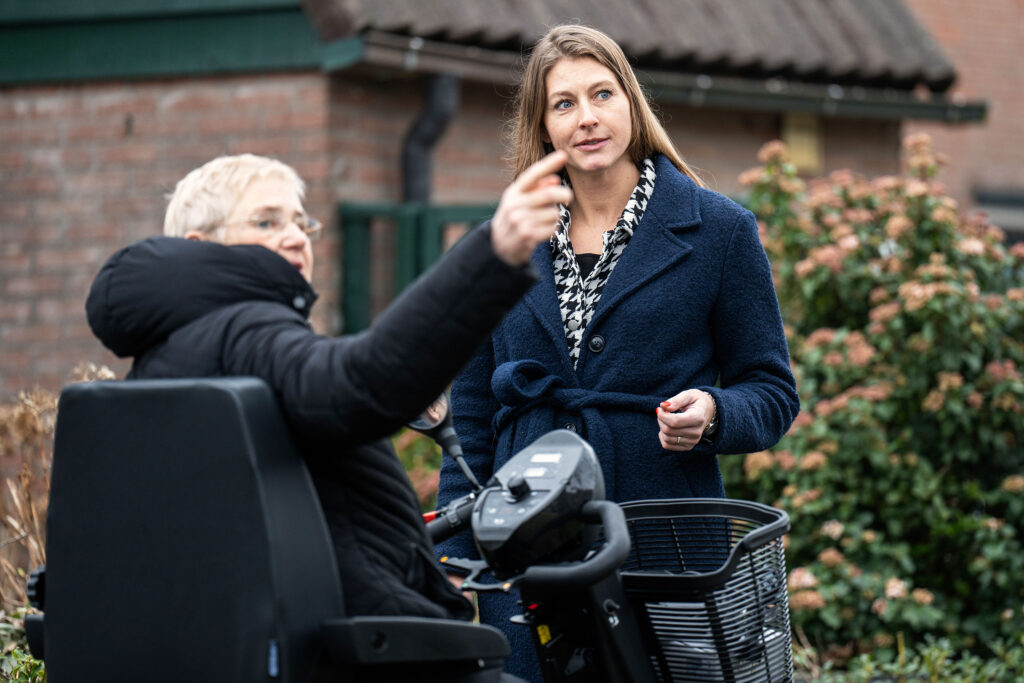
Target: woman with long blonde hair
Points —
{"points": [[654, 331]]}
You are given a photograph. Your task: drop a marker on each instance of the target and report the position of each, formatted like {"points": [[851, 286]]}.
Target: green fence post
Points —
{"points": [[431, 237], [419, 237], [434, 220], [407, 240]]}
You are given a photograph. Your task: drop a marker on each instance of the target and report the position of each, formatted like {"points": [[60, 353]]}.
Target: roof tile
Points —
{"points": [[876, 43]]}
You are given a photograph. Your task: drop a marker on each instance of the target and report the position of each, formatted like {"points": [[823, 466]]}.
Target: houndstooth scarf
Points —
{"points": [[577, 298]]}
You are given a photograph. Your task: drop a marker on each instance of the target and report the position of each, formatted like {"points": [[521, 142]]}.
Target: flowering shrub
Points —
{"points": [[903, 473], [934, 660]]}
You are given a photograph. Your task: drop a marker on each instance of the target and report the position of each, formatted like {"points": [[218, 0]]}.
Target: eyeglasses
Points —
{"points": [[273, 221]]}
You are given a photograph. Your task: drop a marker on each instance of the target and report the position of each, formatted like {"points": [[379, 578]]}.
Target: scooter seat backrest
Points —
{"points": [[185, 538]]}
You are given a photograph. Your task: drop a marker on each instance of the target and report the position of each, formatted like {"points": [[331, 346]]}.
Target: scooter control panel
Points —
{"points": [[519, 517]]}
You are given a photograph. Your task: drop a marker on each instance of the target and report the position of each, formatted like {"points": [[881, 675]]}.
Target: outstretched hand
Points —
{"points": [[528, 212], [683, 418]]}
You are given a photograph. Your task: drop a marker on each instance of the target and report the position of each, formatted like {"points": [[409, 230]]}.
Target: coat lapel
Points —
{"points": [[657, 244], [659, 240], [542, 300]]}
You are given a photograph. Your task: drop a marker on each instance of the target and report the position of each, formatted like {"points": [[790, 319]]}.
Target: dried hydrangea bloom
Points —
{"points": [[774, 151], [895, 588], [801, 578], [830, 557], [833, 529], [806, 600]]}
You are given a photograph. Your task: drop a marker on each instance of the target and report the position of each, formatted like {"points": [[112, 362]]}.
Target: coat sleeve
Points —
{"points": [[473, 405], [757, 400], [361, 387]]}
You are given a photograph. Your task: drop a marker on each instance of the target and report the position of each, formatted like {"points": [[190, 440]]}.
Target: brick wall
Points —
{"points": [[83, 171], [984, 42]]}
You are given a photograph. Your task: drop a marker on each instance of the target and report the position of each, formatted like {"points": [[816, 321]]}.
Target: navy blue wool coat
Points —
{"points": [[690, 304]]}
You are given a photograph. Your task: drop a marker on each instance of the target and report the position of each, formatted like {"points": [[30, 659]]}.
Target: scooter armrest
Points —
{"points": [[400, 640]]}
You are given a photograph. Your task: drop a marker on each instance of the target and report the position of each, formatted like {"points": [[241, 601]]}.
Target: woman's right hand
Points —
{"points": [[528, 212]]}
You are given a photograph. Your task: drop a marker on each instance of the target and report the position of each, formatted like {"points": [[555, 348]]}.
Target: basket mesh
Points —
{"points": [[733, 626]]}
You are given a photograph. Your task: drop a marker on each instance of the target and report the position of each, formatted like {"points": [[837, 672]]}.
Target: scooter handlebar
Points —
{"points": [[453, 519], [609, 558]]}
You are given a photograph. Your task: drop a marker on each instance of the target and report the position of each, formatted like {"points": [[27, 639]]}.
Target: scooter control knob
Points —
{"points": [[518, 487]]}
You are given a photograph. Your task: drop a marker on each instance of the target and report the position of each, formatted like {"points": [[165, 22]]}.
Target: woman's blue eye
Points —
{"points": [[564, 104], [604, 94], [265, 223]]}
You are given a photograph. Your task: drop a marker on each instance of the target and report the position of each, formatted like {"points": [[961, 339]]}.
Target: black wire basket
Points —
{"points": [[708, 578]]}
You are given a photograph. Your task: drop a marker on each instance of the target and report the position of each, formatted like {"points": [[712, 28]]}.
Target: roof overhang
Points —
{"points": [[414, 54]]}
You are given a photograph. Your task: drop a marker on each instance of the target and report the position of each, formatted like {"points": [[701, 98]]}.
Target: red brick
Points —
{"points": [[378, 176], [85, 132], [56, 259], [32, 234], [153, 183], [120, 208], [45, 160], [77, 331], [15, 311], [277, 147], [30, 333], [174, 126], [123, 102], [32, 185], [193, 154], [129, 153], [983, 47], [60, 104], [18, 359], [184, 101], [113, 179], [11, 384], [11, 210], [234, 123], [264, 97], [315, 118], [74, 159], [12, 108], [78, 282], [312, 170], [32, 285], [314, 95], [312, 144], [15, 262], [29, 133], [59, 310], [91, 233], [12, 159], [67, 208]]}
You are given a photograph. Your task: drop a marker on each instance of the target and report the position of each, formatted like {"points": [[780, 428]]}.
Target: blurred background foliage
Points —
{"points": [[903, 472], [421, 458]]}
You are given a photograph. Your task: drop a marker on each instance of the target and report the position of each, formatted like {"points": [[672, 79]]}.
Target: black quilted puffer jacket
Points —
{"points": [[184, 308]]}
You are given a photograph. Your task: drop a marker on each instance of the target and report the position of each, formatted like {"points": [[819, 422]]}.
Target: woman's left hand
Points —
{"points": [[683, 418]]}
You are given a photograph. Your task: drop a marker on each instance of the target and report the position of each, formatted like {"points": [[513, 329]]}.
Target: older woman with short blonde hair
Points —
{"points": [[228, 292]]}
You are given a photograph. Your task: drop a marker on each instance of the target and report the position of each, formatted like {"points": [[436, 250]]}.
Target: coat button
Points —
{"points": [[596, 343], [570, 426]]}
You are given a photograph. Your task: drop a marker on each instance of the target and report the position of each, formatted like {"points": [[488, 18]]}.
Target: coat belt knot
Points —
{"points": [[529, 392]]}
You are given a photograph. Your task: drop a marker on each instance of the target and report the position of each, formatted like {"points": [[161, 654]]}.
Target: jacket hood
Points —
{"points": [[149, 289]]}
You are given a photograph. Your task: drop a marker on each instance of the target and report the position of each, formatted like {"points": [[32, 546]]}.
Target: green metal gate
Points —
{"points": [[419, 234]]}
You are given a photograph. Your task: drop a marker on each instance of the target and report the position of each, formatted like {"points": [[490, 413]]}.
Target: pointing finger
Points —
{"points": [[546, 166]]}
